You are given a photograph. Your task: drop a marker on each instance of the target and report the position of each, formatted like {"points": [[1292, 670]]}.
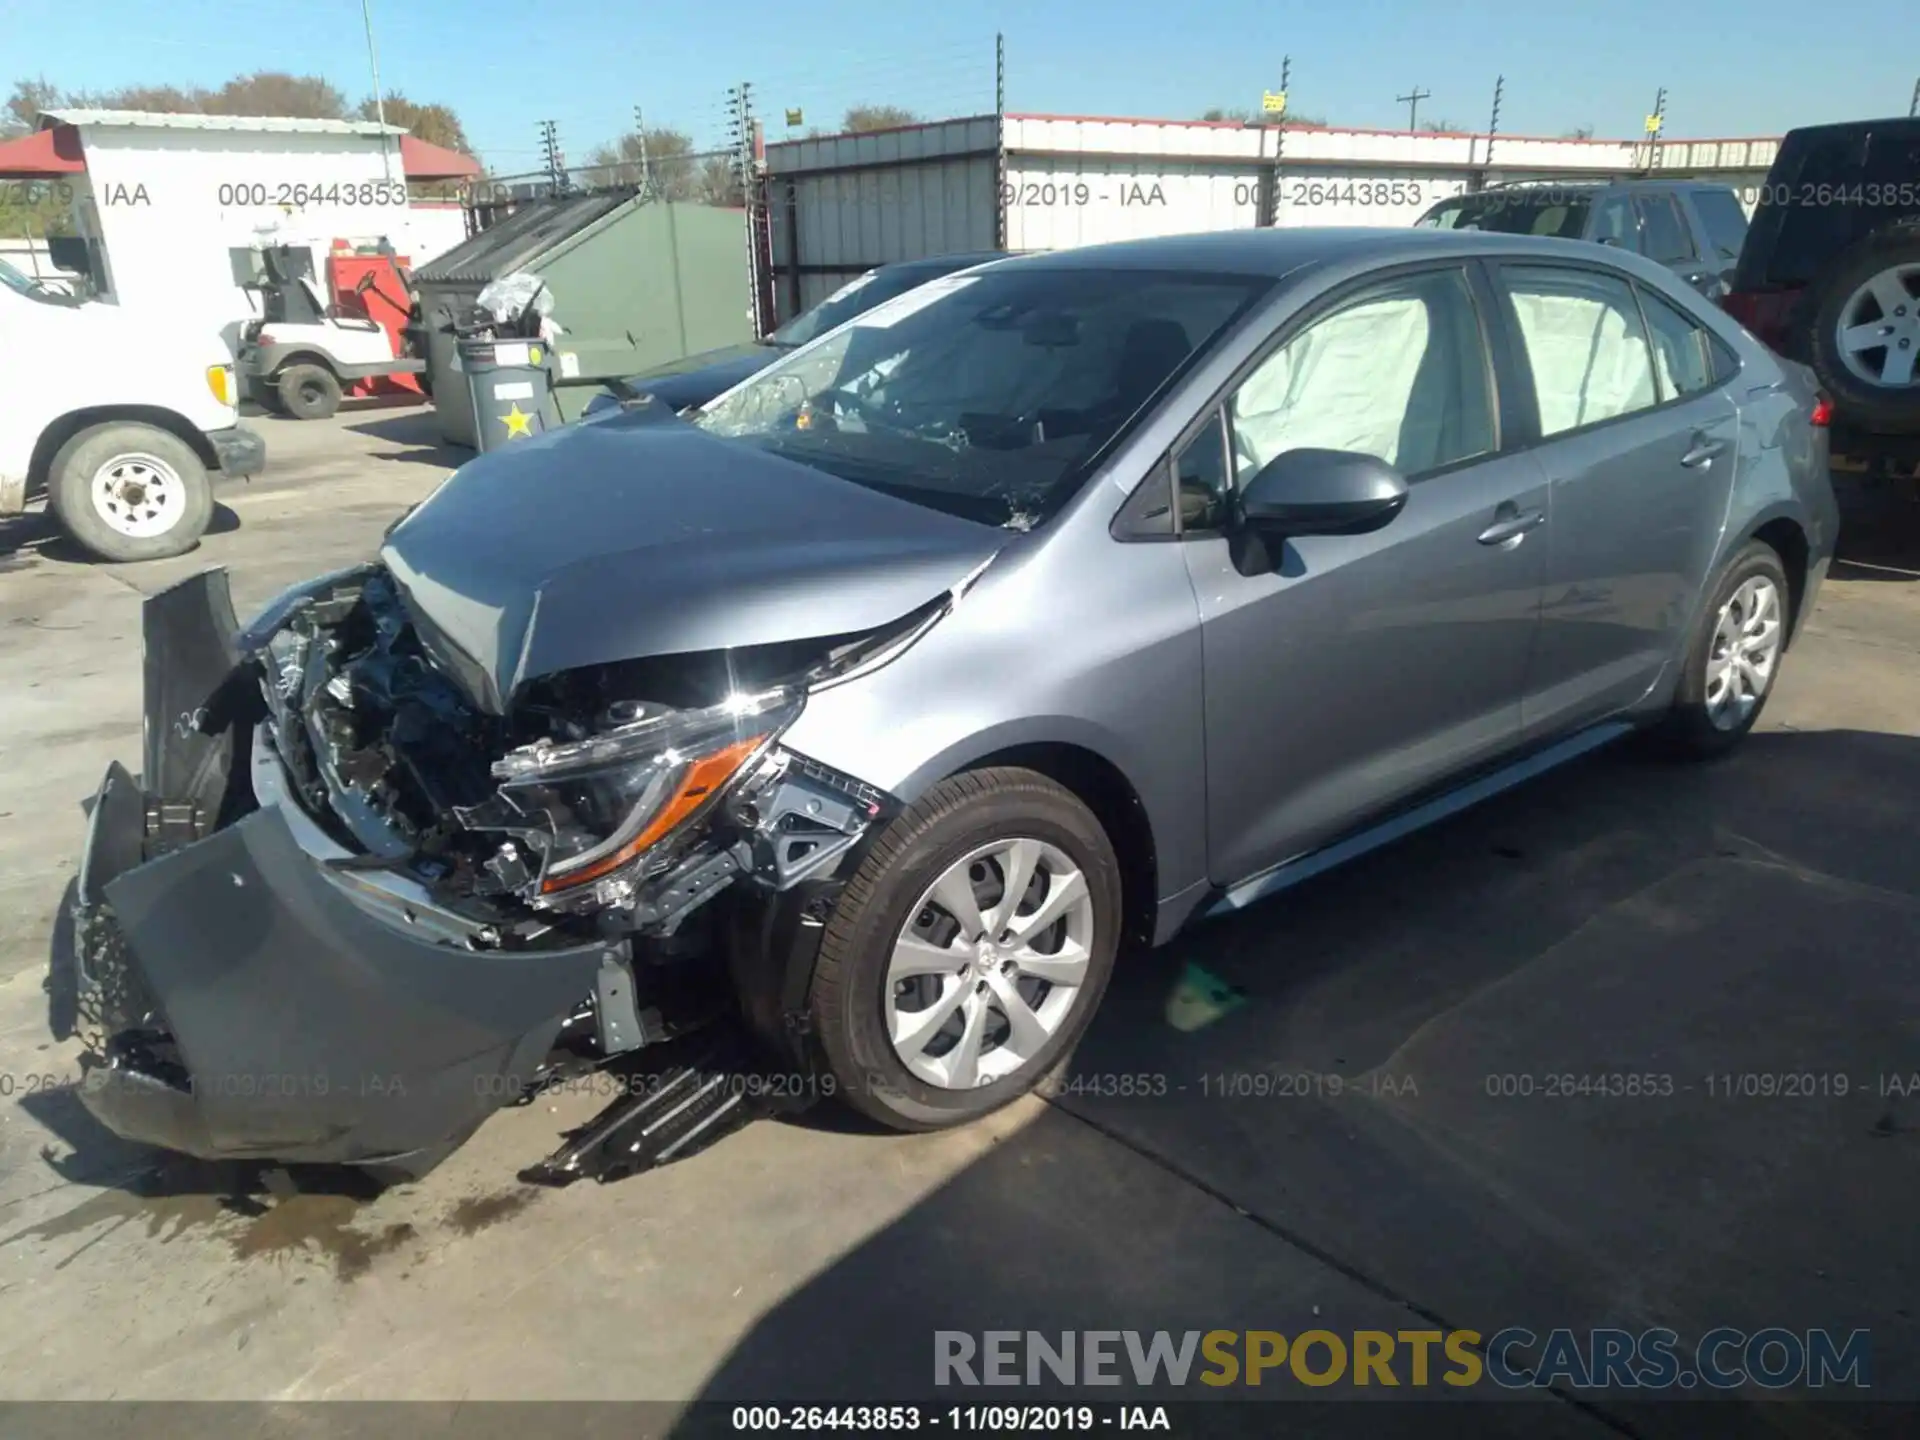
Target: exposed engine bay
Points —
{"points": [[619, 797]]}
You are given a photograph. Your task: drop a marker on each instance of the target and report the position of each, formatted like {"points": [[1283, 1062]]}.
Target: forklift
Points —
{"points": [[304, 350]]}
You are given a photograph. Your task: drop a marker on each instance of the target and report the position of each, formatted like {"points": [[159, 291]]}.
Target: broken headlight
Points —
{"points": [[595, 806]]}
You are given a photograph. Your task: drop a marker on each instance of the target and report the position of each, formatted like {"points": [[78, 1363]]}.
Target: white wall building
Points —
{"points": [[162, 199], [841, 204]]}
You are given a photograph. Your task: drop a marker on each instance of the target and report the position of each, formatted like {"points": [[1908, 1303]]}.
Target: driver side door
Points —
{"points": [[1346, 673]]}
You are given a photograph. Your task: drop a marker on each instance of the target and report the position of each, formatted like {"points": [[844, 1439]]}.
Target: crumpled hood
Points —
{"points": [[590, 545]]}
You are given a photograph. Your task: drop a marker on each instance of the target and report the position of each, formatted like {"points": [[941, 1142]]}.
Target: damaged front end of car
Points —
{"points": [[348, 911]]}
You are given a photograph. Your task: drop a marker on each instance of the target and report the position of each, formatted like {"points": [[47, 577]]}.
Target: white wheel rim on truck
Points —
{"points": [[139, 496]]}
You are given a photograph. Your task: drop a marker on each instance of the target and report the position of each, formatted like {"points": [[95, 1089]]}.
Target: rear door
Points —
{"points": [[1721, 226], [1667, 239], [1637, 432]]}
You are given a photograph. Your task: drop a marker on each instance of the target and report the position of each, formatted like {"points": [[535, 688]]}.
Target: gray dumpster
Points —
{"points": [[631, 283]]}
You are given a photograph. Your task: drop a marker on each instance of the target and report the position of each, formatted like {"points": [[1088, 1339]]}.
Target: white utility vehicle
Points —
{"points": [[119, 417], [304, 351]]}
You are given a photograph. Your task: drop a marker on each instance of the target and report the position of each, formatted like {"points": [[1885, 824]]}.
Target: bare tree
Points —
{"points": [[1245, 116], [877, 117], [1579, 132], [30, 98], [435, 124], [274, 92], [669, 162], [1443, 127]]}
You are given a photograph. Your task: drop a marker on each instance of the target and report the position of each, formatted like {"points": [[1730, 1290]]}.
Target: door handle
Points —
{"points": [[1512, 524], [1702, 451]]}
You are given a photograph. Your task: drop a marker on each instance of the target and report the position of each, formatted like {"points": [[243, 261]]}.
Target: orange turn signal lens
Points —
{"points": [[704, 778]]}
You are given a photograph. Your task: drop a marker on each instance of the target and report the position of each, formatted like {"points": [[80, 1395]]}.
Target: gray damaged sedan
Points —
{"points": [[867, 714]]}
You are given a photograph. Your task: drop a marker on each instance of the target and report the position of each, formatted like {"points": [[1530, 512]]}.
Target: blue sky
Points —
{"points": [[1731, 67]]}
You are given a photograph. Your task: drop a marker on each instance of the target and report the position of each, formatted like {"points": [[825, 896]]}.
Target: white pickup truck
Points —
{"points": [[118, 417]]}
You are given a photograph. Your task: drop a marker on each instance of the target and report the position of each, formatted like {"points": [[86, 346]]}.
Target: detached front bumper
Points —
{"points": [[249, 994]]}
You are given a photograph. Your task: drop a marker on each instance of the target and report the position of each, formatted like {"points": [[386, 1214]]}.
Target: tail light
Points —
{"points": [[1822, 412], [1768, 314]]}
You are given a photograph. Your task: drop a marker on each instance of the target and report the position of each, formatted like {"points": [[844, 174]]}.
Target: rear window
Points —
{"points": [[1725, 221], [1552, 213], [1827, 191]]}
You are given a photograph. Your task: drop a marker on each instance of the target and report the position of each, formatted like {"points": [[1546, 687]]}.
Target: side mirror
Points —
{"points": [[1322, 492]]}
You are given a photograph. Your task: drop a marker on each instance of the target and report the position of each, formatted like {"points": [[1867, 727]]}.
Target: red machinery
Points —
{"points": [[367, 279]]}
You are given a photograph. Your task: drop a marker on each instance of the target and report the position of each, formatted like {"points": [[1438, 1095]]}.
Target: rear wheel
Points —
{"points": [[969, 951], [1865, 345], [1734, 657], [127, 491], [308, 392]]}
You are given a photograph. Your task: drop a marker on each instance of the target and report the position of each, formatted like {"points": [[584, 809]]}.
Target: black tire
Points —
{"points": [[1871, 407], [308, 392], [70, 493], [1688, 731], [849, 990]]}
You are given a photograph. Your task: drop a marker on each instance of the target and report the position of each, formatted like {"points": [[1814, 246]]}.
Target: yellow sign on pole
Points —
{"points": [[1654, 122], [1273, 102]]}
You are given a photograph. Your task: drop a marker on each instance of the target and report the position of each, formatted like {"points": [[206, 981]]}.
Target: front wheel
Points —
{"points": [[127, 491], [308, 392], [968, 953], [1734, 656]]}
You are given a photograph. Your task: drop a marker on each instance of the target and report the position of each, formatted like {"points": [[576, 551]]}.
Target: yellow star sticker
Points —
{"points": [[516, 421]]}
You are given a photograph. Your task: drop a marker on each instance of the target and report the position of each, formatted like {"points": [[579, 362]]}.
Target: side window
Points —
{"points": [[1680, 348], [1666, 239], [1399, 373], [1725, 221], [1201, 477], [1584, 344], [1613, 224]]}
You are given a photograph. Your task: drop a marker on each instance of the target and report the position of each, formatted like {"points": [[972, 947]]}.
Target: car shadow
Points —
{"points": [[1879, 530], [419, 430], [1318, 1142], [35, 534]]}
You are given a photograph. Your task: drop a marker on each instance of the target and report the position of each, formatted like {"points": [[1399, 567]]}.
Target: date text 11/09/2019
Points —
{"points": [[1299, 194]]}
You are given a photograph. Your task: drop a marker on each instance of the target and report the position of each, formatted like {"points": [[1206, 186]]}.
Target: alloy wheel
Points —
{"points": [[1745, 652], [1879, 329], [990, 963]]}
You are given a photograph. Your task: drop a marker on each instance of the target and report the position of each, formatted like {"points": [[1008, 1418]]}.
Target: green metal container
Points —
{"points": [[635, 283]]}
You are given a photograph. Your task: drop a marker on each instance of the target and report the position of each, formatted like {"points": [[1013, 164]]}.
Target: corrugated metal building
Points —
{"points": [[842, 204]]}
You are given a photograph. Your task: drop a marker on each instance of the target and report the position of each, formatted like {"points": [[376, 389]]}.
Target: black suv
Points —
{"points": [[1830, 274], [1693, 227]]}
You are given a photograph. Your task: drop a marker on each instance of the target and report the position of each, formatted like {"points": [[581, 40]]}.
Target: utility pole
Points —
{"points": [[1270, 196], [1493, 121], [999, 142], [1655, 123], [1412, 102], [379, 96], [646, 166], [556, 162], [1913, 107]]}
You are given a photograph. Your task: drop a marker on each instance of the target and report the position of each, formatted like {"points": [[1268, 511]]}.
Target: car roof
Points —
{"points": [[1848, 129], [1279, 252], [959, 261], [1631, 182]]}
